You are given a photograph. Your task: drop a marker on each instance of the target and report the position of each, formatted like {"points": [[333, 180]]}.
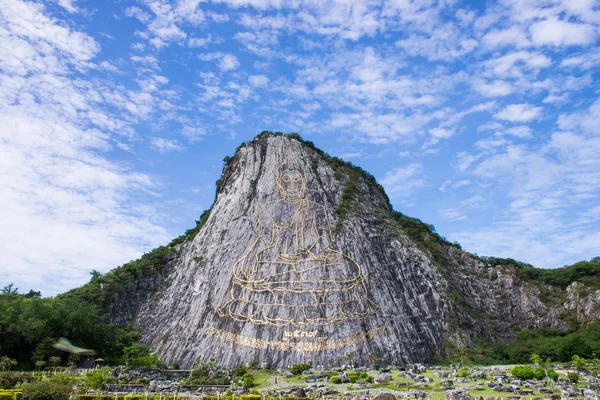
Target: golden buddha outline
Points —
{"points": [[291, 275]]}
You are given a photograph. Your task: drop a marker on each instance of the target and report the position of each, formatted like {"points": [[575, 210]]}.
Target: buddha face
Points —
{"points": [[291, 184]]}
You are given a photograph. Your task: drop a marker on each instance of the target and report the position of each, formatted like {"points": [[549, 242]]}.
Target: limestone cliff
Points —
{"points": [[302, 258]]}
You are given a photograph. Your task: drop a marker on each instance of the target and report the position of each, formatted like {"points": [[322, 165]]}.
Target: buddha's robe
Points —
{"points": [[291, 274]]}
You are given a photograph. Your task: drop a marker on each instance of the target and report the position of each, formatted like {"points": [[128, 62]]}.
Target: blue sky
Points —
{"points": [[482, 118]]}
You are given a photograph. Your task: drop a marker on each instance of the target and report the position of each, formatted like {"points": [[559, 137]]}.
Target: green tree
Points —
{"points": [[140, 356], [40, 364], [33, 294], [552, 374], [210, 373], [595, 366], [578, 362], [9, 291], [522, 372], [349, 357], [573, 377], [55, 360], [539, 373], [6, 363], [246, 381], [535, 359], [372, 359], [298, 369], [96, 379], [95, 274]]}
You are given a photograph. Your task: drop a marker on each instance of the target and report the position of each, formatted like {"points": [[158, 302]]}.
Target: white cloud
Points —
{"points": [[586, 121], [445, 42], [448, 184], [556, 32], [228, 62], [513, 36], [519, 113], [452, 214], [516, 64], [68, 5], [66, 209], [258, 80], [441, 133], [402, 181], [521, 131], [199, 42], [552, 98], [165, 145], [583, 61], [495, 88], [165, 21], [138, 13], [225, 62]]}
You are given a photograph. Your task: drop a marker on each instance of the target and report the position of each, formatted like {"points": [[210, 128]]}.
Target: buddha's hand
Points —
{"points": [[290, 257], [327, 256]]}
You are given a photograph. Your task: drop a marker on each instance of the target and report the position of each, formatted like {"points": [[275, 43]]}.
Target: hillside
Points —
{"points": [[366, 279]]}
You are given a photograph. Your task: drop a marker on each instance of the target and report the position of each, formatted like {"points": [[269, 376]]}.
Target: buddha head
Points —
{"points": [[291, 181]]}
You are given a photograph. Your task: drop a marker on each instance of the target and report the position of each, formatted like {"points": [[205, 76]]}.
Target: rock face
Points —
{"points": [[302, 259]]}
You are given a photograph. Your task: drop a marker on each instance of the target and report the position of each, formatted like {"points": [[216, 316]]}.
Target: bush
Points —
{"points": [[251, 397], [353, 377], [140, 356], [463, 372], [11, 395], [96, 379], [552, 374], [247, 381], [539, 373], [129, 397], [9, 380], [573, 377], [522, 372], [45, 390], [363, 375], [335, 379], [299, 368]]}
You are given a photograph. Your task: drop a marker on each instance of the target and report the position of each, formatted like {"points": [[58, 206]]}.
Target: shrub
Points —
{"points": [[130, 397], [353, 377], [247, 381], [363, 375], [45, 390], [552, 374], [463, 372], [251, 397], [299, 368], [522, 372], [335, 379], [573, 377], [11, 394], [539, 373], [578, 362], [96, 379]]}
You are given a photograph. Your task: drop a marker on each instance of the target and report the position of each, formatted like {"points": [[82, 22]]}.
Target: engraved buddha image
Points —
{"points": [[292, 274]]}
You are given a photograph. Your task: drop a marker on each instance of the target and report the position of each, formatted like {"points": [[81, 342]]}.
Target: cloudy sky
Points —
{"points": [[482, 118]]}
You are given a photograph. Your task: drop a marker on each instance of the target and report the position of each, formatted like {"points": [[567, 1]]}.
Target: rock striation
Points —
{"points": [[303, 259]]}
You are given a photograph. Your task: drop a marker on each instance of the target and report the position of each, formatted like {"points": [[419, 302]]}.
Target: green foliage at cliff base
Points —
{"points": [[547, 342]]}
